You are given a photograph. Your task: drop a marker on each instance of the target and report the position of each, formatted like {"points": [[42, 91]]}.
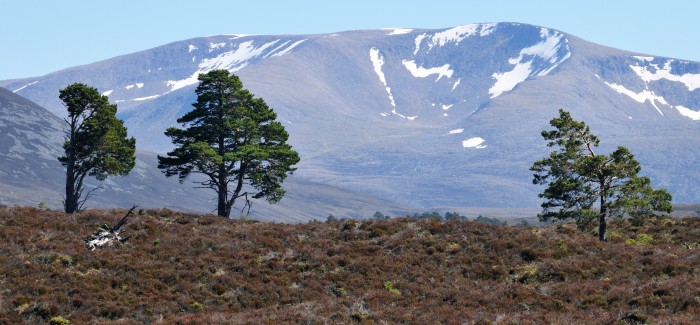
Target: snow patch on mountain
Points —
{"points": [[289, 49], [643, 58], [487, 29], [456, 84], [191, 48], [640, 97], [234, 60], [508, 80], [549, 51], [420, 72], [177, 84], [377, 62], [649, 71], [418, 41], [25, 86], [457, 34], [475, 142], [456, 131], [231, 60], [145, 98], [137, 85], [690, 80], [693, 115], [446, 107], [237, 36], [279, 47], [215, 46], [398, 31]]}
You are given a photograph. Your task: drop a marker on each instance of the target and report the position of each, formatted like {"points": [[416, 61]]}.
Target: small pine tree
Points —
{"points": [[578, 178]]}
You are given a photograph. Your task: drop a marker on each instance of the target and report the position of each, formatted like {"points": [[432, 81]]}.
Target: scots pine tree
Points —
{"points": [[588, 186], [96, 142], [232, 138]]}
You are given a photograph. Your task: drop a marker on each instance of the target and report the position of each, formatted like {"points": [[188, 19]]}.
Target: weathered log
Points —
{"points": [[105, 235]]}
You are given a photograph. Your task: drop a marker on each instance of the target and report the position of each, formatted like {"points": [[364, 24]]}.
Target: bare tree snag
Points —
{"points": [[106, 236]]}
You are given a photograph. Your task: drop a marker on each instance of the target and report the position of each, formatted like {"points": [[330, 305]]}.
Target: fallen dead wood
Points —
{"points": [[106, 236]]}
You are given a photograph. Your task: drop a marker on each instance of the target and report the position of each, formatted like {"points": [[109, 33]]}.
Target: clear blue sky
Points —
{"points": [[42, 36]]}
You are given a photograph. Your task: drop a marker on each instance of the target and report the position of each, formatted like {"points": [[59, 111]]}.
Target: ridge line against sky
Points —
{"points": [[42, 36]]}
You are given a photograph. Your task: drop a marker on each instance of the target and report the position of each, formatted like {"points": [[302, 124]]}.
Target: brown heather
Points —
{"points": [[183, 268]]}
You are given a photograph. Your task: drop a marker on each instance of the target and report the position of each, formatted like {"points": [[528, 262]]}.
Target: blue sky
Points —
{"points": [[41, 36]]}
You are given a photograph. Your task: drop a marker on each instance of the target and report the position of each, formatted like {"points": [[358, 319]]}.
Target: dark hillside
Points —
{"points": [[192, 269]]}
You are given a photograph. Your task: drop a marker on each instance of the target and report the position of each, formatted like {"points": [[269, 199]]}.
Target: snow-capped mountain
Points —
{"points": [[444, 118]]}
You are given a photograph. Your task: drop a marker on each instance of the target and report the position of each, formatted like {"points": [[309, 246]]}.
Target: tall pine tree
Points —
{"points": [[97, 144], [233, 139]]}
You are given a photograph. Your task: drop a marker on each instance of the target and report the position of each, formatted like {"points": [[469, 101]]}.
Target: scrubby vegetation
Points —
{"points": [[182, 268]]}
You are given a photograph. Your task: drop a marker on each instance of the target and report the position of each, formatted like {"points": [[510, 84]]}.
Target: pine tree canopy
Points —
{"points": [[233, 139]]}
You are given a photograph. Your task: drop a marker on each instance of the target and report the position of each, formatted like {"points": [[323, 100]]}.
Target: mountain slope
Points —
{"points": [[440, 119], [32, 138]]}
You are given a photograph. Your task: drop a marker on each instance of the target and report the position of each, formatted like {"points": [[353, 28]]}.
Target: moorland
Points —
{"points": [[182, 268]]}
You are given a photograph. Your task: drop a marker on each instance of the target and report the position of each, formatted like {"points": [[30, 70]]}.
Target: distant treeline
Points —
{"points": [[435, 215]]}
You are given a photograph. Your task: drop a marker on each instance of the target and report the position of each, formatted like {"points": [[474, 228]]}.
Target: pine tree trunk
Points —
{"points": [[71, 201], [222, 208], [602, 226], [221, 204], [223, 185]]}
